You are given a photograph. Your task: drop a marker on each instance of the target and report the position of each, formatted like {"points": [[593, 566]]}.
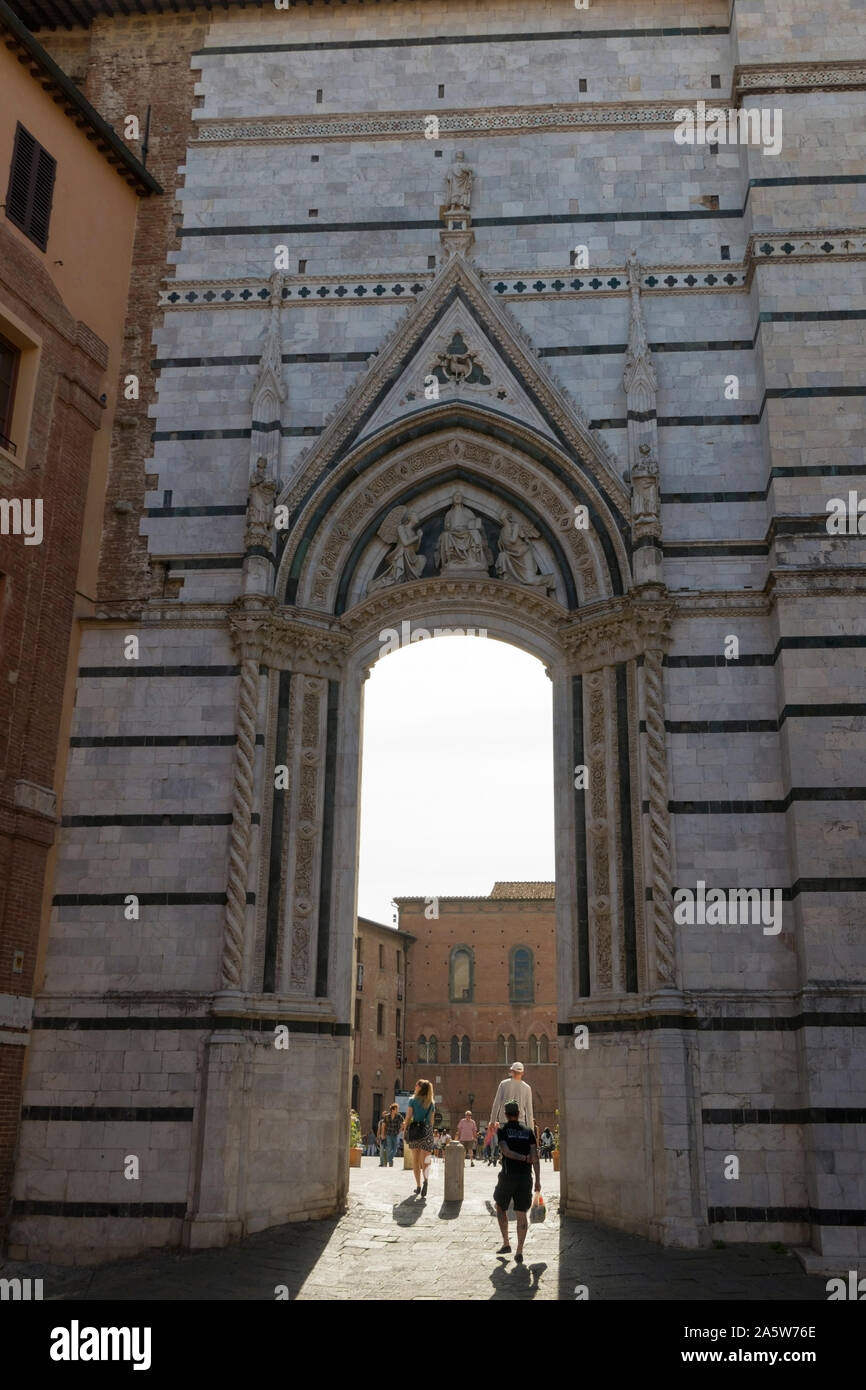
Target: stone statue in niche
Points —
{"points": [[458, 186], [401, 530], [463, 546], [646, 503], [260, 507], [517, 560]]}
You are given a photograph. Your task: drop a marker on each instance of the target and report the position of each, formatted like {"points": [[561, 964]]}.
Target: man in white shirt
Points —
{"points": [[513, 1089]]}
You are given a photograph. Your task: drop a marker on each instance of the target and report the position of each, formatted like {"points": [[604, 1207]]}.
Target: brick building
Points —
{"points": [[379, 1022], [71, 193], [481, 994]]}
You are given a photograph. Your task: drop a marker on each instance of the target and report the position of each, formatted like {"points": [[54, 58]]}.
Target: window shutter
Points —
{"points": [[19, 177], [31, 187], [43, 192]]}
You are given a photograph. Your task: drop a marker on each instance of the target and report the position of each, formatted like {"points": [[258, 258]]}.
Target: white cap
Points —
{"points": [[516, 1066]]}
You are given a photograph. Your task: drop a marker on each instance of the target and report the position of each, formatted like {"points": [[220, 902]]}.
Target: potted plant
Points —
{"points": [[556, 1144], [356, 1148]]}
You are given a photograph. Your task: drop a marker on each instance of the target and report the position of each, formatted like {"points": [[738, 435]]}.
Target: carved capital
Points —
{"points": [[619, 631]]}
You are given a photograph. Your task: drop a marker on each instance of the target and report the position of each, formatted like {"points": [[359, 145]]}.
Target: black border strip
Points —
{"points": [[158, 1023], [134, 1114], [132, 669], [812, 1216], [808, 1115], [323, 943], [144, 899], [275, 859], [628, 885], [439, 40], [653, 1023], [154, 1210], [760, 808], [584, 984]]}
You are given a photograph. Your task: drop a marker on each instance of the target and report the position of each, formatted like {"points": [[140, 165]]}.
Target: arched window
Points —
{"points": [[464, 1048], [461, 975], [533, 1048], [511, 1046], [460, 1049], [502, 1050], [543, 1049], [422, 1048], [520, 976], [433, 1048]]}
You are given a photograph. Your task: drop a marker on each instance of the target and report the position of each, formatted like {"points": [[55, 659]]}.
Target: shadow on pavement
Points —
{"points": [[517, 1281], [449, 1211], [406, 1213]]}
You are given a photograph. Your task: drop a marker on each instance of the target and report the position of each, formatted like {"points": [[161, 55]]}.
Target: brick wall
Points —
{"points": [[38, 601]]}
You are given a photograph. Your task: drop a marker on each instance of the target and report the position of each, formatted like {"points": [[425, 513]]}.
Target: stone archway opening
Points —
{"points": [[457, 829]]}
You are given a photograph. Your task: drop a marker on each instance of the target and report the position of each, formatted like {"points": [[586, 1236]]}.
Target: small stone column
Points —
{"points": [[455, 1157]]}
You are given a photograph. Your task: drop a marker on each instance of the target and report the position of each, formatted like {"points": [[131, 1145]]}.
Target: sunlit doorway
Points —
{"points": [[456, 952]]}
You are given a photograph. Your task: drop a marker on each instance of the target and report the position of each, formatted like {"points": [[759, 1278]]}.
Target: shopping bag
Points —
{"points": [[538, 1211]]}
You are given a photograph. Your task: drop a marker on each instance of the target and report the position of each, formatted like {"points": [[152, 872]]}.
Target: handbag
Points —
{"points": [[416, 1129]]}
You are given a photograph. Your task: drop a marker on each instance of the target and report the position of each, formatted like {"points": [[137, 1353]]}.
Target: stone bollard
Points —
{"points": [[455, 1155]]}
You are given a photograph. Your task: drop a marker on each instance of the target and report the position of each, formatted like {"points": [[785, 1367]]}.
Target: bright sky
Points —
{"points": [[457, 785]]}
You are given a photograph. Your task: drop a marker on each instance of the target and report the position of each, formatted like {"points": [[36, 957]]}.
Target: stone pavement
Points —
{"points": [[391, 1245]]}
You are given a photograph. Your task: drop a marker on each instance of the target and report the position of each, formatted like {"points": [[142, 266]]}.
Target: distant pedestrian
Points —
{"points": [[546, 1144], [490, 1143], [418, 1132], [513, 1088], [372, 1146], [519, 1151], [392, 1125], [467, 1133], [380, 1139]]}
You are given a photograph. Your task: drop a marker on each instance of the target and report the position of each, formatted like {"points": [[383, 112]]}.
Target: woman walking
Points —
{"points": [[418, 1130]]}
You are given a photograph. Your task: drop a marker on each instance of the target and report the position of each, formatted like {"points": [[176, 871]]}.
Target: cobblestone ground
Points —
{"points": [[392, 1245]]}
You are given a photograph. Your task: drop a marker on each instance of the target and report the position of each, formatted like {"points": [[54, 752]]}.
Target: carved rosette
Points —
{"points": [[659, 821]]}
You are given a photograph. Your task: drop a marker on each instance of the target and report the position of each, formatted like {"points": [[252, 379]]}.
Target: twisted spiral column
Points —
{"points": [[660, 836], [242, 812]]}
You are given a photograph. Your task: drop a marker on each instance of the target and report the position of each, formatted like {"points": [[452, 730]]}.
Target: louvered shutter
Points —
{"points": [[31, 187]]}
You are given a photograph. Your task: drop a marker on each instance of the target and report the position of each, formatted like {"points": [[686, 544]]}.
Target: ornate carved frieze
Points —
{"points": [[797, 77], [396, 125], [362, 502]]}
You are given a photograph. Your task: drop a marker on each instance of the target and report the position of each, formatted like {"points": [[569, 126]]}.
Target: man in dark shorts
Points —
{"points": [[519, 1150]]}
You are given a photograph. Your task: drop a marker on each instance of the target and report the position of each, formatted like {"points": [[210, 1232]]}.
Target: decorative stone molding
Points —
{"points": [[30, 796], [750, 78], [491, 120]]}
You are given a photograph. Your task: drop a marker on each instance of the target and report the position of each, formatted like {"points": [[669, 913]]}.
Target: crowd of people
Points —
{"points": [[510, 1140]]}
